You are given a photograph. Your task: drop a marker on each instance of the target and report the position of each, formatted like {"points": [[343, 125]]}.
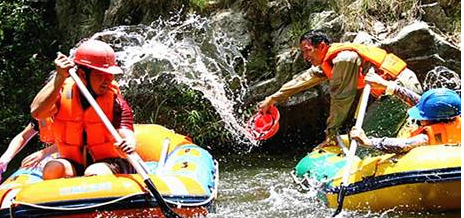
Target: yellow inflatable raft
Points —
{"points": [[426, 178], [186, 176]]}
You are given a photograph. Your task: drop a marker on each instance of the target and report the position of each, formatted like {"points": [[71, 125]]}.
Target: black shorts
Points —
{"points": [[118, 165], [79, 169]]}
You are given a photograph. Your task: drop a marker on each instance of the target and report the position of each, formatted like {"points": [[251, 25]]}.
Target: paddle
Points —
{"points": [[353, 146], [134, 158]]}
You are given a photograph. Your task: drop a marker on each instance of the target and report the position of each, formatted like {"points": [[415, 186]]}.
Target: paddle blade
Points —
{"points": [[340, 198]]}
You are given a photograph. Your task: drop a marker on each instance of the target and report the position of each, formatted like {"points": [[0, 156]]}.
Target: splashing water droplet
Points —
{"points": [[442, 77], [194, 54]]}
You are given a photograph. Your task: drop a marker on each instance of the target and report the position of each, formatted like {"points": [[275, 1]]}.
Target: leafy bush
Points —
{"points": [[27, 48], [361, 14], [179, 108]]}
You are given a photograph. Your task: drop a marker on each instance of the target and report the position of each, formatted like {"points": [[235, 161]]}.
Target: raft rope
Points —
{"points": [[75, 208], [178, 204]]}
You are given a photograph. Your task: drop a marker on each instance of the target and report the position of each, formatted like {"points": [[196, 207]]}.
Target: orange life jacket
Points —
{"points": [[71, 121], [388, 65], [46, 130], [442, 133]]}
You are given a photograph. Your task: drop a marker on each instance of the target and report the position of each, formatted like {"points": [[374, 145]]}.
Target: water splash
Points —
{"points": [[442, 77], [196, 55]]}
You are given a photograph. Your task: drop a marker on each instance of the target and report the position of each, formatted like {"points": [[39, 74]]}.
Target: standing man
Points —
{"points": [[344, 66], [77, 127]]}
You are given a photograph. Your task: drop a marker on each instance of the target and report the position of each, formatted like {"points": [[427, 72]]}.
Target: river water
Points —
{"points": [[260, 185]]}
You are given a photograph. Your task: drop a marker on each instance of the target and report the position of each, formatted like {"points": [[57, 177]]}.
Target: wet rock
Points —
{"points": [[287, 66], [365, 38], [289, 63], [423, 49], [434, 13], [279, 13], [132, 12], [282, 38], [234, 24], [329, 22], [348, 36], [380, 30]]}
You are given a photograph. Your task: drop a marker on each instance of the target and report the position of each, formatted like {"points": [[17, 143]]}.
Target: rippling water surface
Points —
{"points": [[256, 185]]}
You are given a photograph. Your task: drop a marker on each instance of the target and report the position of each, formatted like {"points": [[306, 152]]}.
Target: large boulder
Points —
{"points": [[329, 22], [435, 14], [234, 25], [423, 49], [132, 12]]}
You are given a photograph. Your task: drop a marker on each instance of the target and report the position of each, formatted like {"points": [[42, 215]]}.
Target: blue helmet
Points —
{"points": [[437, 104]]}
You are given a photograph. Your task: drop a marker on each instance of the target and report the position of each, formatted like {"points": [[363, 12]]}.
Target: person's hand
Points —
{"points": [[3, 166], [264, 105], [63, 64], [33, 159], [360, 136], [125, 146], [376, 80]]}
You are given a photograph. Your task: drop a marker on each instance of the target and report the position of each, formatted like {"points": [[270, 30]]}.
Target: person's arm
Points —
{"points": [[389, 145], [43, 105], [34, 159], [123, 121], [304, 81], [399, 145], [409, 97], [18, 143], [391, 87]]}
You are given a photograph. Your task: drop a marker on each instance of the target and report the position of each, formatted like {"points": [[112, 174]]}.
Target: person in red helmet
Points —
{"points": [[77, 129]]}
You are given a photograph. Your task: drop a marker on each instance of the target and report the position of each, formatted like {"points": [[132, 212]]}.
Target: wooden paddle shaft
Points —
{"points": [[358, 125], [133, 158]]}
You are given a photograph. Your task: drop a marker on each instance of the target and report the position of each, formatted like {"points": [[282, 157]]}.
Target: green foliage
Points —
{"points": [[385, 117], [361, 14], [258, 66], [198, 4], [300, 17], [260, 57], [177, 107], [79, 19], [225, 3], [27, 46], [256, 8]]}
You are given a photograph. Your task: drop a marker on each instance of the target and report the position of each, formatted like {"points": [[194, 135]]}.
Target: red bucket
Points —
{"points": [[264, 126]]}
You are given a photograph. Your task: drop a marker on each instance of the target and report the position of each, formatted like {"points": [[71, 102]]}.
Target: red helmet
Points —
{"points": [[97, 55], [264, 126]]}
